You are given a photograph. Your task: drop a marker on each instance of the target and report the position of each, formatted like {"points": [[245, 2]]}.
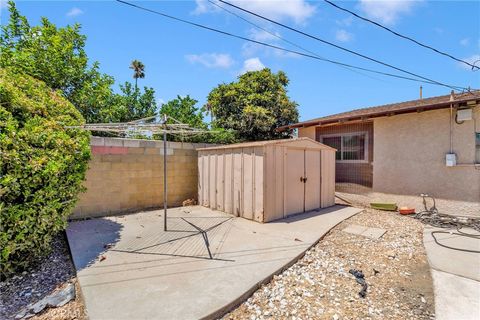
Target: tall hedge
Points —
{"points": [[42, 167]]}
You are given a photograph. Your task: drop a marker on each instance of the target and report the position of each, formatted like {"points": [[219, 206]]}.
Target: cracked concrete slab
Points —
{"points": [[455, 297], [460, 263], [455, 273], [129, 268]]}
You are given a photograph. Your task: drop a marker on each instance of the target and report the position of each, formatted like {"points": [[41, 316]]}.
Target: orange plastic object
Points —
{"points": [[405, 210]]}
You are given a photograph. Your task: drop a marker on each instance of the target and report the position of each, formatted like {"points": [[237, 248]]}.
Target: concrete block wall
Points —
{"points": [[126, 175]]}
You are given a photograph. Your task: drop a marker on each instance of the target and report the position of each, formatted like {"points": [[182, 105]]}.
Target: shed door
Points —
{"points": [[312, 182], [294, 187]]}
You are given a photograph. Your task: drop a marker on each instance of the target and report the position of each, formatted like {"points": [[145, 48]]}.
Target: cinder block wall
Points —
{"points": [[126, 175]]}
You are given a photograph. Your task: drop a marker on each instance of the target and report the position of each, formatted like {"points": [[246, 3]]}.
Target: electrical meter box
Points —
{"points": [[464, 114], [451, 159]]}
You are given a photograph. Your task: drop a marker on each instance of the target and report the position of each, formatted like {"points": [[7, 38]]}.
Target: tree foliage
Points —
{"points": [[254, 106], [184, 110], [42, 166], [57, 56], [134, 104]]}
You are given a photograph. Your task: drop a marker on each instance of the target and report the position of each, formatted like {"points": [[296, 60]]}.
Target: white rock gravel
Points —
{"points": [[319, 286]]}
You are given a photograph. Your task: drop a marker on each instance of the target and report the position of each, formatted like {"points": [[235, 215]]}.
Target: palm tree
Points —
{"points": [[138, 71]]}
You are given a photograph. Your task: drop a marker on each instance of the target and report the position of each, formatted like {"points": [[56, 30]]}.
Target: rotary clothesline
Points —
{"points": [[146, 127]]}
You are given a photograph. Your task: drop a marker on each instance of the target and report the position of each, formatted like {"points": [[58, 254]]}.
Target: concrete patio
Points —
{"points": [[206, 263], [456, 274]]}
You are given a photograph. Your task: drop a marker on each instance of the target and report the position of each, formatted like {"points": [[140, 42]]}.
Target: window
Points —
{"points": [[477, 147], [351, 147]]}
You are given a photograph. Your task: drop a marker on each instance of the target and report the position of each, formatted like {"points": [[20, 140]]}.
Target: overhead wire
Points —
{"points": [[352, 69], [423, 80], [340, 47], [473, 66]]}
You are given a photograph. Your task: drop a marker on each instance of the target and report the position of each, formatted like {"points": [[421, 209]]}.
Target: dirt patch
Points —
{"points": [[362, 196], [50, 273], [319, 286]]}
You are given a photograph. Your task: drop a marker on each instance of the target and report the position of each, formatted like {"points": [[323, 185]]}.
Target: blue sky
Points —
{"points": [[181, 59]]}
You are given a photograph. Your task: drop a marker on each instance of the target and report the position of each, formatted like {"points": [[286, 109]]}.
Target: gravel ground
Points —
{"points": [[73, 310], [51, 273], [319, 286]]}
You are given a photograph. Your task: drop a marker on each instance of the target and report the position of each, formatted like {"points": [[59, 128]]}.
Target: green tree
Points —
{"points": [[138, 71], [132, 104], [254, 106], [184, 110], [57, 56]]}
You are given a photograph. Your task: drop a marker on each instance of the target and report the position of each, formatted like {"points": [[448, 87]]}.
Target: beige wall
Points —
{"points": [[126, 175], [308, 132], [409, 156], [261, 183]]}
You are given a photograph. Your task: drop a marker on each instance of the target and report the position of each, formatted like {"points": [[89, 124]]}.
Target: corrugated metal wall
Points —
{"points": [[231, 180], [264, 183]]}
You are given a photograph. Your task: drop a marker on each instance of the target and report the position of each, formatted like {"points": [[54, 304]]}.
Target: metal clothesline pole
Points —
{"points": [[165, 173], [141, 126]]}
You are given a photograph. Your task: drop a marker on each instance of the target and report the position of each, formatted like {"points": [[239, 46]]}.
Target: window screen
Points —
{"points": [[350, 147], [334, 142]]}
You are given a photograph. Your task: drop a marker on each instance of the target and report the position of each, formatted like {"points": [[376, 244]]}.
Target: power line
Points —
{"points": [[401, 35], [352, 69], [284, 49], [339, 47]]}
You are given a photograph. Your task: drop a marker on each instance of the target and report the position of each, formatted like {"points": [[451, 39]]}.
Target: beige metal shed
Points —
{"points": [[267, 180]]}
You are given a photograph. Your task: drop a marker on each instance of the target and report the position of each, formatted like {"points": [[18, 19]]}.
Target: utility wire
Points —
{"points": [[426, 80], [339, 47], [401, 35], [352, 69]]}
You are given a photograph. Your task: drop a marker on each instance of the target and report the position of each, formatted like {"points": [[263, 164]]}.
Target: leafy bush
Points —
{"points": [[42, 167], [218, 136]]}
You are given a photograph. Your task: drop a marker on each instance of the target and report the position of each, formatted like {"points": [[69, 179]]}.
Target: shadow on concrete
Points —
{"points": [[158, 280], [184, 272], [186, 237], [159, 263], [93, 238], [309, 214]]}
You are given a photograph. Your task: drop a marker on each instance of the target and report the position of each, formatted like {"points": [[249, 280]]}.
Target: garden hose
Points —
{"points": [[433, 217], [463, 234]]}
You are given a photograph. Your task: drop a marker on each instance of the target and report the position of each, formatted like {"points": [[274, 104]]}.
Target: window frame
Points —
{"points": [[349, 134], [477, 147]]}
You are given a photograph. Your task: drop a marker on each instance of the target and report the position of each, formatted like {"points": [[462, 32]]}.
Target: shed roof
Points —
{"points": [[268, 142], [424, 104]]}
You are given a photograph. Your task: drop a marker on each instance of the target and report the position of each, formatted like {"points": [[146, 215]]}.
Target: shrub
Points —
{"points": [[42, 167], [219, 136]]}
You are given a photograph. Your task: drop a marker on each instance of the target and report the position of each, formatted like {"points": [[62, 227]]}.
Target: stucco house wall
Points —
{"points": [[409, 155]]}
